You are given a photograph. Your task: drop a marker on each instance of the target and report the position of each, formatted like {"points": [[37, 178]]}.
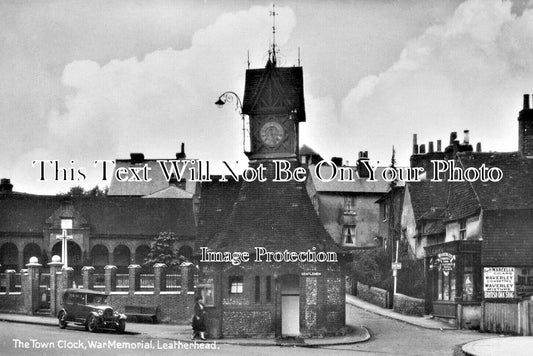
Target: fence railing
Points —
{"points": [[173, 281], [147, 281], [123, 281], [18, 282]]}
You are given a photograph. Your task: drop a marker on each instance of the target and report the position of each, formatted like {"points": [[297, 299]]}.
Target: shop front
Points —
{"points": [[454, 280]]}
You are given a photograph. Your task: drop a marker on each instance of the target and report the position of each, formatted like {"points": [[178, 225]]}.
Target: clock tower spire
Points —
{"points": [[274, 102]]}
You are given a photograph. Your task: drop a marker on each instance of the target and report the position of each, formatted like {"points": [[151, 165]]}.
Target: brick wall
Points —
{"points": [[12, 303], [376, 296], [173, 308]]}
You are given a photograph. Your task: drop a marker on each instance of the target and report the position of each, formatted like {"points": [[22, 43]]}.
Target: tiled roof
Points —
{"points": [[274, 215], [426, 195], [514, 191], [217, 199], [287, 81], [359, 185], [104, 215], [507, 238], [158, 181]]}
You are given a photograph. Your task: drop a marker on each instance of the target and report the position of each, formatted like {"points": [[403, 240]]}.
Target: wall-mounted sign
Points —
{"points": [[498, 282], [444, 261]]}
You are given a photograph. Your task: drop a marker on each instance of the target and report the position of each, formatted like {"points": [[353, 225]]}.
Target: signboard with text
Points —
{"points": [[498, 282]]}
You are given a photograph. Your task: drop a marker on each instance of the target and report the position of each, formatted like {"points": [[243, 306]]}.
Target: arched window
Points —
{"points": [[99, 258], [122, 258], [32, 250]]}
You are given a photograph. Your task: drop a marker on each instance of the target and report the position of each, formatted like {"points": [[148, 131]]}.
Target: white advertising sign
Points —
{"points": [[499, 282]]}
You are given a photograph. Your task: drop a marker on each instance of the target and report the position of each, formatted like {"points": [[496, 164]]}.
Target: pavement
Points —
{"points": [[496, 346], [486, 347], [183, 333]]}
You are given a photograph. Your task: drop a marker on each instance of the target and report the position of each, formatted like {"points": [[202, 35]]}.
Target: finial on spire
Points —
{"points": [[273, 13]]}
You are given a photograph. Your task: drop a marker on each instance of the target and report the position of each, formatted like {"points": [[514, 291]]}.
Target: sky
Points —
{"points": [[91, 80]]}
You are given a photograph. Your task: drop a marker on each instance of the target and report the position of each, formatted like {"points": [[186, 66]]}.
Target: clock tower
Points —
{"points": [[274, 102]]}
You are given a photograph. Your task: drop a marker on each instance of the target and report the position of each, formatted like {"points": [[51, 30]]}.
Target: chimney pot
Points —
{"points": [[439, 145], [478, 147], [181, 155], [526, 101], [415, 145], [430, 147], [467, 137], [422, 149]]}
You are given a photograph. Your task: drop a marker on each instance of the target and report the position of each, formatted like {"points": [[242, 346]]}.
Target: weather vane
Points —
{"points": [[273, 13]]}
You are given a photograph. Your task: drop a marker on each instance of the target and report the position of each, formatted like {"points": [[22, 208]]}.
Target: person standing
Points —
{"points": [[198, 320]]}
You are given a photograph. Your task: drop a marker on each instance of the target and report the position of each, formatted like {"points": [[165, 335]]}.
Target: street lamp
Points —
{"points": [[229, 97]]}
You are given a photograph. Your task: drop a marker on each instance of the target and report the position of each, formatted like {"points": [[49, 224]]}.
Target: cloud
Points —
{"points": [[153, 103], [467, 73]]}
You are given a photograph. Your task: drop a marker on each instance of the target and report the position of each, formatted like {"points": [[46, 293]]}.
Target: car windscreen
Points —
{"points": [[96, 299]]}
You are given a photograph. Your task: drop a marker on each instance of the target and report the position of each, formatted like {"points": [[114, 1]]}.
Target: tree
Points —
{"points": [[79, 191], [162, 250]]}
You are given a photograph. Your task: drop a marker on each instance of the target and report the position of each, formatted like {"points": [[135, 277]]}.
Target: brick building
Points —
{"points": [[270, 297], [105, 230], [470, 232]]}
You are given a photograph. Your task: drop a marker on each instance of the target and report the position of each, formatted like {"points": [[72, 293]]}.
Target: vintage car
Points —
{"points": [[90, 309]]}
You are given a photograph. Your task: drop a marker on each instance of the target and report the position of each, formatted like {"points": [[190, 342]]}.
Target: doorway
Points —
{"points": [[290, 305]]}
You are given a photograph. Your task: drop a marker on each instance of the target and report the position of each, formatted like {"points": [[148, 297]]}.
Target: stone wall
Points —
{"points": [[408, 305], [376, 296]]}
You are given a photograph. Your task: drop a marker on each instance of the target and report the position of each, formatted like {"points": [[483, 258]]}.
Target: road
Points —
{"points": [[389, 337]]}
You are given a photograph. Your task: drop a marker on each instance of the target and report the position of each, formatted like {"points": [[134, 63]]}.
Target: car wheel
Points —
{"points": [[92, 324], [121, 326], [62, 318]]}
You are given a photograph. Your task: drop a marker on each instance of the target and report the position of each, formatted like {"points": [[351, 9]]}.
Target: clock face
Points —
{"points": [[272, 133]]}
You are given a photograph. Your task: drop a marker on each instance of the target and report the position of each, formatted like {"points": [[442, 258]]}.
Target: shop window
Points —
{"points": [[268, 289], [446, 286], [348, 235], [236, 284], [462, 229], [257, 289]]}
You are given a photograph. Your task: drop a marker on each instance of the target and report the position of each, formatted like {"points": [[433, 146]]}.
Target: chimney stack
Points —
{"points": [[362, 171], [525, 128], [337, 161], [136, 158], [453, 137], [6, 186]]}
